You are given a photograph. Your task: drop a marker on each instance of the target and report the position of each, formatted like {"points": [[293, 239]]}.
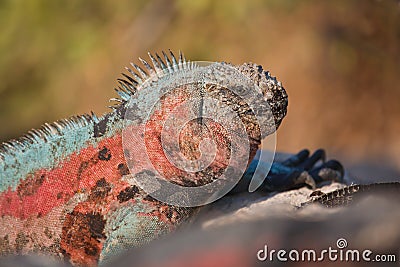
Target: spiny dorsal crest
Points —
{"points": [[128, 86]]}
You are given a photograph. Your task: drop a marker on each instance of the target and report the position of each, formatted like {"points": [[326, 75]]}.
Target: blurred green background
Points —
{"points": [[338, 60]]}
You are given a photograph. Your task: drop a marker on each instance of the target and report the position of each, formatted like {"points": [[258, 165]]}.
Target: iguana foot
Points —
{"points": [[302, 169], [296, 171]]}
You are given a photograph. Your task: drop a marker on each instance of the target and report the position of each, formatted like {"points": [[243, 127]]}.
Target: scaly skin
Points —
{"points": [[67, 191]]}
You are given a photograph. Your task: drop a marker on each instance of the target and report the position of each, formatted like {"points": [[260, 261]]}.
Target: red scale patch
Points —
{"points": [[52, 188]]}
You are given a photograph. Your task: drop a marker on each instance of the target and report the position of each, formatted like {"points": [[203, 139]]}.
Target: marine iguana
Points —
{"points": [[74, 188]]}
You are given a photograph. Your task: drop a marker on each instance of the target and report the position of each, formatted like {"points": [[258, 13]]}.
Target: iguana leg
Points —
{"points": [[298, 170]]}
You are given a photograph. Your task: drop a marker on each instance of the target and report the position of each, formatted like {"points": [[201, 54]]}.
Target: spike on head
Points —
{"points": [[131, 80], [163, 66], [135, 76], [156, 65], [181, 58], [174, 62], [167, 61], [142, 73], [147, 66]]}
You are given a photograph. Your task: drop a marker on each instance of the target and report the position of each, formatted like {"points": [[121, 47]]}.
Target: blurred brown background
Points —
{"points": [[338, 60]]}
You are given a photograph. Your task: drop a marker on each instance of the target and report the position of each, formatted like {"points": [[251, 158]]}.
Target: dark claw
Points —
{"points": [[335, 165], [329, 171], [282, 182], [297, 159], [311, 161]]}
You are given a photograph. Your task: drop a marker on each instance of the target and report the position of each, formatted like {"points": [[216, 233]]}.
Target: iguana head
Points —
{"points": [[271, 88]]}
